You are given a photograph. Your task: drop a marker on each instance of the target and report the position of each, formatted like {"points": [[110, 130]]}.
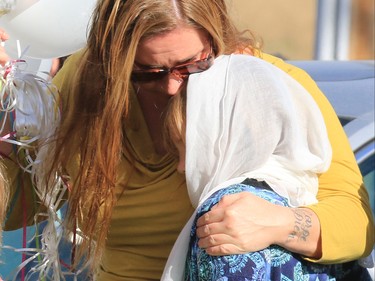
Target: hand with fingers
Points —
{"points": [[243, 222], [239, 223]]}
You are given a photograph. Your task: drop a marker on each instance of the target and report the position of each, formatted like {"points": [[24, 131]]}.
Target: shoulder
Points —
{"points": [[66, 75], [244, 66], [69, 69], [293, 71]]}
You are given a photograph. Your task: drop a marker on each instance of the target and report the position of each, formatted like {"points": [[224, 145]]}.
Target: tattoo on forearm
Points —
{"points": [[302, 225]]}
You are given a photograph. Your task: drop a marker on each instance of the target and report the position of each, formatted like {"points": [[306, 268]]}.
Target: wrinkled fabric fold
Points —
{"points": [[248, 119]]}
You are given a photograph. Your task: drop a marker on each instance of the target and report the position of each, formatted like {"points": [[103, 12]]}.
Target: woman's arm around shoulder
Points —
{"points": [[343, 210]]}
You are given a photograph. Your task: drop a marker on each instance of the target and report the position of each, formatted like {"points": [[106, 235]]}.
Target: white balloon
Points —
{"points": [[50, 28], [38, 66]]}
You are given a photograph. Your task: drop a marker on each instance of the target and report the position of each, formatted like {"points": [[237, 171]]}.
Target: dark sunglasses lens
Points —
{"points": [[198, 66], [183, 71], [144, 76]]}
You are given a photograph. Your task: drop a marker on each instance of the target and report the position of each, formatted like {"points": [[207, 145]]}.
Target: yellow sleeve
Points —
{"points": [[65, 76], [347, 227]]}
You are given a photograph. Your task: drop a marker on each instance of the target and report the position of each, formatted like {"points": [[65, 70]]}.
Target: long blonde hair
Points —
{"points": [[100, 96], [4, 196]]}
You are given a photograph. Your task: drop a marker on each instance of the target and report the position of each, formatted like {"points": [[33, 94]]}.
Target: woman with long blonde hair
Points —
{"points": [[125, 196]]}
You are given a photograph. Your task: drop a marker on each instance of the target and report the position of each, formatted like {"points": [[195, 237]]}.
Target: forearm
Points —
{"points": [[345, 217], [300, 232], [347, 227], [338, 229]]}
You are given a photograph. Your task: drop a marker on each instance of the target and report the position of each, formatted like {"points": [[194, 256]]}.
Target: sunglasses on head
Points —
{"points": [[181, 71]]}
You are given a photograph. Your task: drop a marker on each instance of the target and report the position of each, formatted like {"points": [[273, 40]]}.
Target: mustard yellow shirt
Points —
{"points": [[347, 227], [155, 205]]}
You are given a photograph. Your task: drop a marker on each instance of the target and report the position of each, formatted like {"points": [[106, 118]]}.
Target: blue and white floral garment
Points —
{"points": [[273, 263]]}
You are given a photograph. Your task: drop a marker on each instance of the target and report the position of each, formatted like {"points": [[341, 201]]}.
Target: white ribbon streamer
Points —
{"points": [[34, 103]]}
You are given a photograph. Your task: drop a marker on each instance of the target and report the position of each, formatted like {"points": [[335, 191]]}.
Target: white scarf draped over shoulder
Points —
{"points": [[248, 119]]}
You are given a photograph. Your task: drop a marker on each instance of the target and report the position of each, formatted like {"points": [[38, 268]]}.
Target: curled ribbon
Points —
{"points": [[29, 107]]}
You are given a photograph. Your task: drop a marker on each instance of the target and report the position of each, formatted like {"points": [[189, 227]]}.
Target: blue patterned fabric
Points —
{"points": [[273, 263]]}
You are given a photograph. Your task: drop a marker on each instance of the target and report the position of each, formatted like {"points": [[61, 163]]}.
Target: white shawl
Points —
{"points": [[247, 118]]}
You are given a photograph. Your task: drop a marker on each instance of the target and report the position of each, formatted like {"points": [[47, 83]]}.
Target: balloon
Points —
{"points": [[38, 66], [50, 28]]}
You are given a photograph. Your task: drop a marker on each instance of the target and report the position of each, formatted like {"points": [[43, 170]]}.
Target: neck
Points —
{"points": [[153, 110]]}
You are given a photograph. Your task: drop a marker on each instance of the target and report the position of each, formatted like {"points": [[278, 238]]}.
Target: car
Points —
{"points": [[348, 85]]}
